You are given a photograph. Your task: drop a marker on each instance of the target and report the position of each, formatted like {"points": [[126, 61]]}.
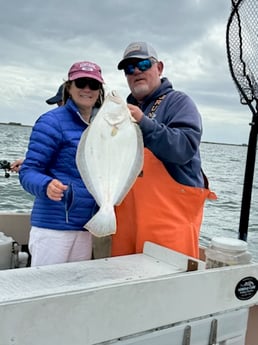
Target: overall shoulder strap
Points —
{"points": [[155, 106]]}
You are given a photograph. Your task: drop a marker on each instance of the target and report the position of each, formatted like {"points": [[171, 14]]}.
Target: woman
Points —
{"points": [[62, 203]]}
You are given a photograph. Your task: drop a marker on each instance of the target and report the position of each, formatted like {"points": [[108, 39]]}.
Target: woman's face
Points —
{"points": [[84, 92]]}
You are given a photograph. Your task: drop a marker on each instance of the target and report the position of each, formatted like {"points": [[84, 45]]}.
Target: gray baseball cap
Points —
{"points": [[138, 50]]}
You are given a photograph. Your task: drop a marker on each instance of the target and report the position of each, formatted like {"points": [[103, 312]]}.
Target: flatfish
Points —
{"points": [[109, 158]]}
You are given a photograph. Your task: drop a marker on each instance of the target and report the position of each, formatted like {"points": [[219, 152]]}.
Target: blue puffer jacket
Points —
{"points": [[173, 133], [51, 155]]}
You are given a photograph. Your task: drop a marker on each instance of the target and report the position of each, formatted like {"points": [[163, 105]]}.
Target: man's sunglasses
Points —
{"points": [[142, 65], [81, 83]]}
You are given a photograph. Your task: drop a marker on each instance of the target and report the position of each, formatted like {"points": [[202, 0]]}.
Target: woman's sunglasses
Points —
{"points": [[81, 83], [142, 65]]}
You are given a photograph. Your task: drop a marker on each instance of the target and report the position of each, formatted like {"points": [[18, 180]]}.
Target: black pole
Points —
{"points": [[246, 98], [248, 179]]}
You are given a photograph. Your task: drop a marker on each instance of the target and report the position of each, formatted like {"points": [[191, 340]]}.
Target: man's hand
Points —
{"points": [[16, 165], [136, 112]]}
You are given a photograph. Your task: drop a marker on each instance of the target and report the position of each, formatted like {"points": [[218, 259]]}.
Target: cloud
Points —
{"points": [[42, 39]]}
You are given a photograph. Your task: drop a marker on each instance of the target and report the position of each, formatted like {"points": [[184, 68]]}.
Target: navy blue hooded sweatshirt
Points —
{"points": [[173, 133]]}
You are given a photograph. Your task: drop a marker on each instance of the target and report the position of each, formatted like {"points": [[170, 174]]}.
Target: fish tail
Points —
{"points": [[103, 223]]}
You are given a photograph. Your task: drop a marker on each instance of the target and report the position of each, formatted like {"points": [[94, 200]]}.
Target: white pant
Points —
{"points": [[57, 246]]}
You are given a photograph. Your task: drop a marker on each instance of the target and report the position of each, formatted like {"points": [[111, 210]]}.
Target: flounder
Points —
{"points": [[109, 158]]}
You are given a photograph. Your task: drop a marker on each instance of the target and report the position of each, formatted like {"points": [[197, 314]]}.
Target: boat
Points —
{"points": [[156, 297]]}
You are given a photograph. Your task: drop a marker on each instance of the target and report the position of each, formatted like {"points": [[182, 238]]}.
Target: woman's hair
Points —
{"points": [[66, 94]]}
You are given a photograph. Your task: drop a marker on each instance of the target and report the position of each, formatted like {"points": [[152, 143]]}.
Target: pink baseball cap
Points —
{"points": [[85, 69]]}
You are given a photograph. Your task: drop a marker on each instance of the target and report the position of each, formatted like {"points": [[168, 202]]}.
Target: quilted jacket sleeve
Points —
{"points": [[43, 147]]}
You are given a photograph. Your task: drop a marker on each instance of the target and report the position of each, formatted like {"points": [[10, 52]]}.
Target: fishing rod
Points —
{"points": [[6, 166], [242, 53]]}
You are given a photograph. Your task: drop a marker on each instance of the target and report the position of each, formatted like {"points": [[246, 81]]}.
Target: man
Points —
{"points": [[58, 100], [165, 205]]}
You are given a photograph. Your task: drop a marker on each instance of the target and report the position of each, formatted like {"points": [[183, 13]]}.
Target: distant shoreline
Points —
{"points": [[14, 124], [203, 142], [217, 143]]}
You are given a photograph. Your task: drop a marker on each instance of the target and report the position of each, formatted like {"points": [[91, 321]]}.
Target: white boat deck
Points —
{"points": [[124, 300], [81, 276]]}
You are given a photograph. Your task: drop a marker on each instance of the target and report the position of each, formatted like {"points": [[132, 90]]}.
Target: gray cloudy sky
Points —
{"points": [[40, 40]]}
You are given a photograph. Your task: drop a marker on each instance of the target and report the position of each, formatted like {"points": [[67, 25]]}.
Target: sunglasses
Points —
{"points": [[142, 65], [81, 83]]}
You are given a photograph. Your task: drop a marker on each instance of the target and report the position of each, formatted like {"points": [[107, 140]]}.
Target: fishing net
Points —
{"points": [[242, 52], [242, 48]]}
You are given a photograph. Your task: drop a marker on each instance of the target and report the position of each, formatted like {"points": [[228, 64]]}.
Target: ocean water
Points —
{"points": [[224, 166]]}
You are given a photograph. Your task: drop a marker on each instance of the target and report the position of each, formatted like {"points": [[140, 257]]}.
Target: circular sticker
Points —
{"points": [[246, 288]]}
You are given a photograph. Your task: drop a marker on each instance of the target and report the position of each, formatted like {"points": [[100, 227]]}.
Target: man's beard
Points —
{"points": [[140, 91]]}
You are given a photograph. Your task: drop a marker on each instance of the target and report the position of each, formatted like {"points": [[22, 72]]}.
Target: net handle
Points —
{"points": [[252, 144]]}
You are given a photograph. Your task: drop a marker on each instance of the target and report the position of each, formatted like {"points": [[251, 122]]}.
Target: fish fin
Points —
{"points": [[103, 223]]}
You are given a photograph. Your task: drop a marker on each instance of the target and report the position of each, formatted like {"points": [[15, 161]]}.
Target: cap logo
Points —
{"points": [[86, 66], [132, 48]]}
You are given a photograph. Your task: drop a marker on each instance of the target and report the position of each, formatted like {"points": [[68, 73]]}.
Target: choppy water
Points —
{"points": [[13, 145], [223, 164]]}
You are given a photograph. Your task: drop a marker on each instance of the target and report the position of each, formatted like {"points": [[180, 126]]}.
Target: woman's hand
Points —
{"points": [[55, 190]]}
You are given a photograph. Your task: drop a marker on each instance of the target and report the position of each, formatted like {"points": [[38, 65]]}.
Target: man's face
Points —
{"points": [[143, 83]]}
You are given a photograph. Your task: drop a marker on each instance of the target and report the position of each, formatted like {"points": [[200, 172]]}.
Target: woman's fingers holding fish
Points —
{"points": [[136, 112], [55, 190]]}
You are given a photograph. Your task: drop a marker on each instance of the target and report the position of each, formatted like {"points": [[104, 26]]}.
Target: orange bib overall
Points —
{"points": [[160, 210]]}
